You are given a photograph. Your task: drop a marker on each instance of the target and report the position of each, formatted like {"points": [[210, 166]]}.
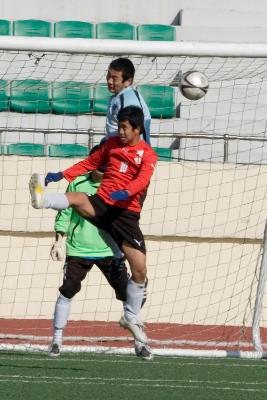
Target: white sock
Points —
{"points": [[61, 315], [57, 201], [136, 293]]}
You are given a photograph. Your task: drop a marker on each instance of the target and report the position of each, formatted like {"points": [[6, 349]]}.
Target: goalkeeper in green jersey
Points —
{"points": [[86, 245]]}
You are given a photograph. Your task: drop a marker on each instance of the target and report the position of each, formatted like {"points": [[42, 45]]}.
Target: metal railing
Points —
{"points": [[92, 133]]}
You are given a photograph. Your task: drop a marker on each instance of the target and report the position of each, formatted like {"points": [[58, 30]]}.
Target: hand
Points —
{"points": [[120, 195], [57, 250], [53, 177]]}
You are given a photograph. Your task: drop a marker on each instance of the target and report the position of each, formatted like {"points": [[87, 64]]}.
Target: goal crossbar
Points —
{"points": [[134, 47]]}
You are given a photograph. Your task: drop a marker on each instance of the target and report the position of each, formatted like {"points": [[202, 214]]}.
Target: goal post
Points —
{"points": [[204, 216]]}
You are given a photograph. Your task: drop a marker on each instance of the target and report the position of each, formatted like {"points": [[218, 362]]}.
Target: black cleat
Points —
{"points": [[54, 350], [143, 351]]}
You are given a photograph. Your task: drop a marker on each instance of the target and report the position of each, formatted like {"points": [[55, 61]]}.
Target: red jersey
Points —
{"points": [[127, 168]]}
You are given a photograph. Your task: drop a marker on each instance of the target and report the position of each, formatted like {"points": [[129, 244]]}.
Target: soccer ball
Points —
{"points": [[194, 85]]}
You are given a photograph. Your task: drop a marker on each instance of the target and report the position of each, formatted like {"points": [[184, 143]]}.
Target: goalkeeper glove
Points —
{"points": [[53, 177], [120, 195], [57, 250]]}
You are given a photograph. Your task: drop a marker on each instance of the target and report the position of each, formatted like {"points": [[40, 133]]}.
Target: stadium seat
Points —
{"points": [[71, 98], [68, 150], [25, 149], [164, 154], [73, 29], [115, 30], [156, 32], [5, 27], [160, 100], [32, 27], [4, 101], [29, 96], [101, 99]]}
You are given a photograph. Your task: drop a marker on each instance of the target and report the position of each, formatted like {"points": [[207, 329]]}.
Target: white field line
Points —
{"points": [[168, 383], [177, 361]]}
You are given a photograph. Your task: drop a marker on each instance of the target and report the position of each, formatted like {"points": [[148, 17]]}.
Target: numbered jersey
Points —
{"points": [[127, 168]]}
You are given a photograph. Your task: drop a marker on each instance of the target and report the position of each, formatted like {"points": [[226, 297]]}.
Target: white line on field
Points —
{"points": [[177, 361], [130, 382]]}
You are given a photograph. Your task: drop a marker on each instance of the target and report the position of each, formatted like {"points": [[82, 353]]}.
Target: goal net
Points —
{"points": [[204, 216]]}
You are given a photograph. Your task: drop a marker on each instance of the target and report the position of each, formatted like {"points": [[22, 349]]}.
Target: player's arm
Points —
{"points": [[140, 182], [90, 163], [147, 124]]}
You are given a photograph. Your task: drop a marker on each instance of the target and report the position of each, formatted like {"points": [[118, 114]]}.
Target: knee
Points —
{"points": [[70, 288], [76, 198], [139, 275]]}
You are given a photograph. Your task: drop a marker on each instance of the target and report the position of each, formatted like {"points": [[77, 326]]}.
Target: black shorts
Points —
{"points": [[76, 269], [121, 223]]}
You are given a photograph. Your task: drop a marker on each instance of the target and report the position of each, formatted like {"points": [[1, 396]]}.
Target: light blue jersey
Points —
{"points": [[127, 97]]}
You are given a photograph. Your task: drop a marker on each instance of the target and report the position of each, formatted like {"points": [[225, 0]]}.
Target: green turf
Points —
{"points": [[86, 376]]}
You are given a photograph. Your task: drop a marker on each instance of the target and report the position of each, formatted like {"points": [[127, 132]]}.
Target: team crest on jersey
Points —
{"points": [[138, 158]]}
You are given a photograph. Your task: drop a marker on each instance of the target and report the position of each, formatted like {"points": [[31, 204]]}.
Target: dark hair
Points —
{"points": [[134, 115], [125, 66]]}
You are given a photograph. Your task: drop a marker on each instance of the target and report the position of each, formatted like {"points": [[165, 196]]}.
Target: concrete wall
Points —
{"points": [[184, 199], [204, 224], [189, 283], [134, 11]]}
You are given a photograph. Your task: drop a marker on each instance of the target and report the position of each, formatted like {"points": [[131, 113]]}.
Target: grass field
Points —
{"points": [[34, 376]]}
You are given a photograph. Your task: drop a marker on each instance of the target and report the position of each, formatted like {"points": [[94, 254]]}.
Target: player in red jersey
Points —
{"points": [[116, 207]]}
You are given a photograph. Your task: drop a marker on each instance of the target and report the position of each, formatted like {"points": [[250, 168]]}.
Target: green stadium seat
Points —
{"points": [[71, 98], [68, 150], [115, 30], [5, 27], [25, 149], [101, 99], [160, 100], [32, 27], [164, 154], [156, 32], [73, 29], [4, 101], [29, 96]]}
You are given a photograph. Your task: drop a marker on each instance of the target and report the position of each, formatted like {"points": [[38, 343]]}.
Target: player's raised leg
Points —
{"points": [[58, 201]]}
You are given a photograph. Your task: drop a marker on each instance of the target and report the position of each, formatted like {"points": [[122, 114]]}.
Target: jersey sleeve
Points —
{"points": [[96, 160], [147, 123], [63, 217], [141, 182]]}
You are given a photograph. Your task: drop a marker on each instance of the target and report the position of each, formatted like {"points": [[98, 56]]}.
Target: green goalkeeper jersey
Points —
{"points": [[83, 238]]}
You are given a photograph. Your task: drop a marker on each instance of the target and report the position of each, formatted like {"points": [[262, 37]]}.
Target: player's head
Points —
{"points": [[130, 124], [120, 74]]}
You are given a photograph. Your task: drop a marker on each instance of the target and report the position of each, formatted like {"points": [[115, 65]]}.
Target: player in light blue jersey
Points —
{"points": [[120, 79]]}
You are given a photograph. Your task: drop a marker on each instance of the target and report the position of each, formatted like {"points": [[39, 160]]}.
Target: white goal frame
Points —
{"points": [[198, 49]]}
